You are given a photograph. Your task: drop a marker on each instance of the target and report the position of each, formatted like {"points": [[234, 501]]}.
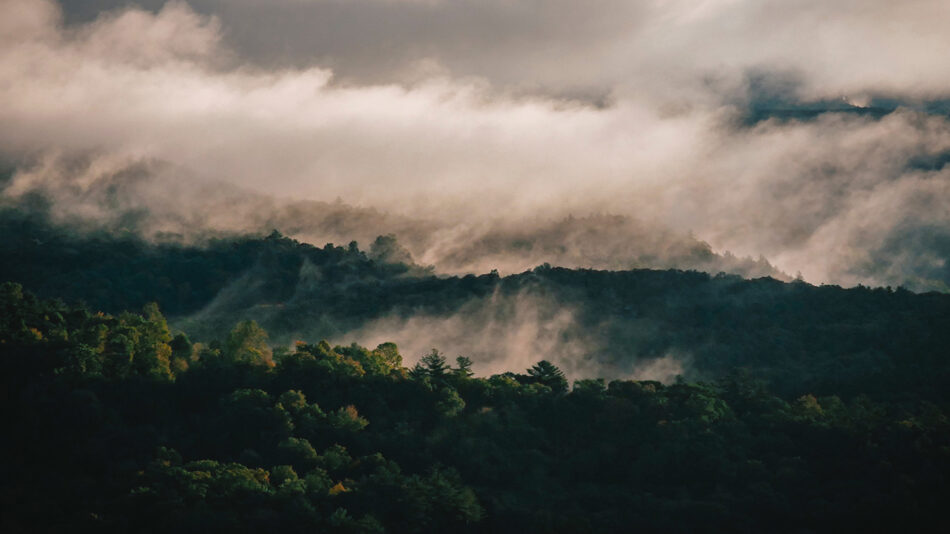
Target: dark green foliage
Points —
{"points": [[342, 439], [434, 364], [826, 409], [247, 343], [800, 338], [463, 367], [544, 372]]}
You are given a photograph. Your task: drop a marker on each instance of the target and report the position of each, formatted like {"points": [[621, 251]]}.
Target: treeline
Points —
{"points": [[115, 272], [798, 337], [115, 423]]}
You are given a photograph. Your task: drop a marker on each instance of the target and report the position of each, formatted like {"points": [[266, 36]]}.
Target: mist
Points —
{"points": [[501, 333], [175, 121]]}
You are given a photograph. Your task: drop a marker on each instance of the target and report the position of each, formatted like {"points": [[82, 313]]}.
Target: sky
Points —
{"points": [[811, 133]]}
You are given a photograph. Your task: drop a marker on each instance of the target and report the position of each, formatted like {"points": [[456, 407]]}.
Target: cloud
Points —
{"points": [[511, 332], [282, 131], [665, 369], [839, 48], [483, 144]]}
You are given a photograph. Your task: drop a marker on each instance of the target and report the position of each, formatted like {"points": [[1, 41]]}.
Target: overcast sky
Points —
{"points": [[476, 110]]}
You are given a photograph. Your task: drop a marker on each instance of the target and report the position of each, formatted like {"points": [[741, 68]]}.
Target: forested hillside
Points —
{"points": [[797, 337], [798, 408], [117, 425]]}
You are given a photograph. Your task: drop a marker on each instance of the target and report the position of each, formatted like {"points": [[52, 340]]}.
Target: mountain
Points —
{"points": [[640, 323]]}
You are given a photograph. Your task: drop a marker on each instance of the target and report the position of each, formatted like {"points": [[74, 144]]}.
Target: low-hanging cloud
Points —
{"points": [[511, 332], [175, 94]]}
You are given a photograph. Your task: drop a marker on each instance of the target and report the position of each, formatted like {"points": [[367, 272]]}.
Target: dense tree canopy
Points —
{"points": [[106, 433]]}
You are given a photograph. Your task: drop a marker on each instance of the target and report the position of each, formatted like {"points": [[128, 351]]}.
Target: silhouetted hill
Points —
{"points": [[639, 323]]}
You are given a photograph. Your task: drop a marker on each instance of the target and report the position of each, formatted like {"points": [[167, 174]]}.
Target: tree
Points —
{"points": [[463, 367], [182, 347], [434, 364], [297, 452], [386, 249], [390, 354], [589, 389], [545, 372], [248, 343], [118, 355], [450, 403], [418, 373], [152, 355], [182, 350], [347, 419], [293, 401]]}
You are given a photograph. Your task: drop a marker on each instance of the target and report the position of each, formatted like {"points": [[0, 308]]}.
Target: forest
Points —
{"points": [[119, 424], [798, 337], [138, 400]]}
